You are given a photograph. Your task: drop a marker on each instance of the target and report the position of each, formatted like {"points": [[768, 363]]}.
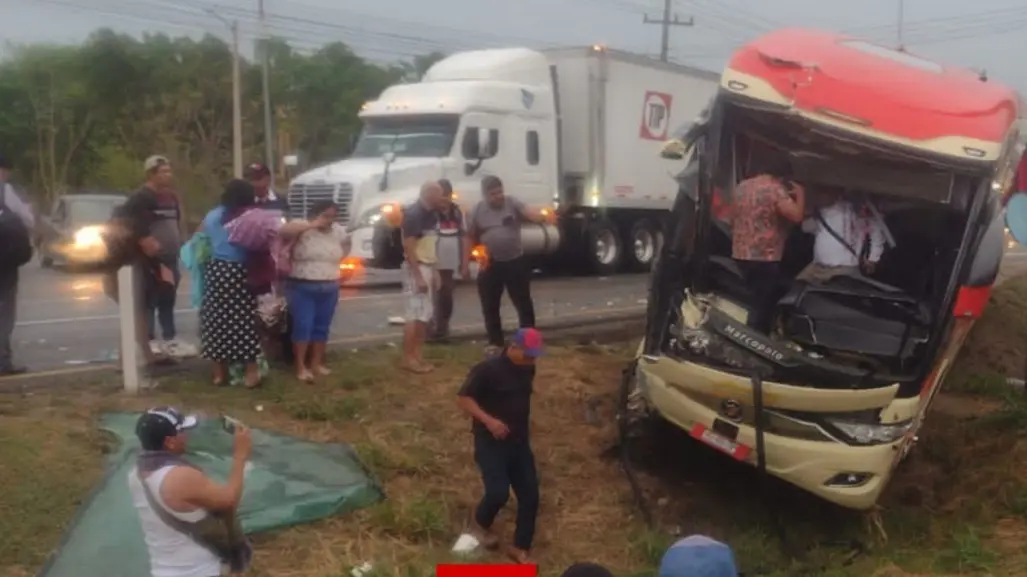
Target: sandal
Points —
{"points": [[305, 377], [417, 368]]}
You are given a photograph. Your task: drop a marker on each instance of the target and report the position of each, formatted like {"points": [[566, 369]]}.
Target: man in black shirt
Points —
{"points": [[497, 396]]}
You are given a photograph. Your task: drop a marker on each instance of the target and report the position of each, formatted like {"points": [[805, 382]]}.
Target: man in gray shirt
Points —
{"points": [[495, 223], [168, 228], [9, 279]]}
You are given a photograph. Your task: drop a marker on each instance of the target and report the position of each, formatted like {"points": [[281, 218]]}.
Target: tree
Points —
{"points": [[87, 116]]}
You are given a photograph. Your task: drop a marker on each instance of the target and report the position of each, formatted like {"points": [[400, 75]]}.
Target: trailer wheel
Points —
{"points": [[643, 243], [605, 250]]}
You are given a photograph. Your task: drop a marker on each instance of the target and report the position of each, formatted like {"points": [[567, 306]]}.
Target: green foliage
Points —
{"points": [[86, 116]]}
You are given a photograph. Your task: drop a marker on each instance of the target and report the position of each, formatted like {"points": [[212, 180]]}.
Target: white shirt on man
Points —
{"points": [[854, 227], [172, 553]]}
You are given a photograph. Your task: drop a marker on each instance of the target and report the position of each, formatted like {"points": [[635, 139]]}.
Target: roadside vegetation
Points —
{"points": [[957, 507]]}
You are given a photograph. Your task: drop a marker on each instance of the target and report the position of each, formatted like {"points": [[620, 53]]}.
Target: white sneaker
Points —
{"points": [[179, 349], [156, 347]]}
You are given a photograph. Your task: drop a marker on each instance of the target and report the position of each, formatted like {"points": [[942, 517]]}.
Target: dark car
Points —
{"points": [[71, 233]]}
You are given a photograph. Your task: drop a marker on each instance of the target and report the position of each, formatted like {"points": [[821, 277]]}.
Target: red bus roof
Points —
{"points": [[887, 91]]}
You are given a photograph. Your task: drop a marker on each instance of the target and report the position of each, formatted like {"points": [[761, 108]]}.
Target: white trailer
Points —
{"points": [[577, 130]]}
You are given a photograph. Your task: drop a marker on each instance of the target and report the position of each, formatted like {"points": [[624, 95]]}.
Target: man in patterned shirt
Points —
{"points": [[765, 208]]}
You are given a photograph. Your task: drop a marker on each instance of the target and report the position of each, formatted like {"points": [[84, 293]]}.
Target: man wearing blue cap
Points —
{"points": [[698, 556], [497, 396]]}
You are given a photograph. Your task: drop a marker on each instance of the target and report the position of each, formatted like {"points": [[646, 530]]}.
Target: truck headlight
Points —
{"points": [[89, 237], [871, 433], [390, 214]]}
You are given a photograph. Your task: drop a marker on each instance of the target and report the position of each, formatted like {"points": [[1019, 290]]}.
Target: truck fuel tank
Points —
{"points": [[540, 238]]}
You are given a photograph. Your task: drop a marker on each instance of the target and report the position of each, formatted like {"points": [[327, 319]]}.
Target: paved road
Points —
{"points": [[64, 320]]}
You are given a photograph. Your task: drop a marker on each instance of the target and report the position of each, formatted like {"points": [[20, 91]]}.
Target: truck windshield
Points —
{"points": [[422, 135]]}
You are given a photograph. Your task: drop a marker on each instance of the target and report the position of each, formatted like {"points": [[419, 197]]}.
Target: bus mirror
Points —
{"points": [[1016, 217]]}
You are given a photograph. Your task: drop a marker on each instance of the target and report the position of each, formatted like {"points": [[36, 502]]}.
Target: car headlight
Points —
{"points": [[88, 237], [871, 433]]}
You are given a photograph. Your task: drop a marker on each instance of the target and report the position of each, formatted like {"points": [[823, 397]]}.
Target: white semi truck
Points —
{"points": [[578, 131]]}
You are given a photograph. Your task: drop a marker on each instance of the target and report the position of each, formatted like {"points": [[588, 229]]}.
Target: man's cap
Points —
{"points": [[586, 570], [154, 162], [256, 170], [4, 163], [159, 423], [530, 341], [698, 556]]}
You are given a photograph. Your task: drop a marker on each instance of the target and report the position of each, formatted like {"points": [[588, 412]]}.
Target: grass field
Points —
{"points": [[956, 507]]}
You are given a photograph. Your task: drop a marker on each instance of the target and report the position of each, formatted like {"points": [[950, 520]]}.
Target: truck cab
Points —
{"points": [[576, 131], [447, 126]]}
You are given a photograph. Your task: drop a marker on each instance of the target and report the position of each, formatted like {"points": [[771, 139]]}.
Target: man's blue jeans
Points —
{"points": [[160, 302]]}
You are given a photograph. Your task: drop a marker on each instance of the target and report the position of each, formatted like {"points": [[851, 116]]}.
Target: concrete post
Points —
{"points": [[128, 309]]}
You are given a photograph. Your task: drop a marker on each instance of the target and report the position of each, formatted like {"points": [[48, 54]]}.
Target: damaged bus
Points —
{"points": [[831, 399]]}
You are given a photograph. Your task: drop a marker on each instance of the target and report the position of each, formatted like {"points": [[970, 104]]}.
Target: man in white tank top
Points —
{"points": [[182, 491]]}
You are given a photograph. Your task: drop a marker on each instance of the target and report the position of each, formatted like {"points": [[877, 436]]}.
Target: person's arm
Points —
{"points": [[877, 240], [411, 232], [793, 209], [294, 228], [467, 399], [811, 225], [465, 241], [183, 226], [196, 489], [139, 210], [13, 201], [530, 214]]}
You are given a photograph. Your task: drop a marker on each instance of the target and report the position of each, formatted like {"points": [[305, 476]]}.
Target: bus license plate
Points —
{"points": [[720, 442]]}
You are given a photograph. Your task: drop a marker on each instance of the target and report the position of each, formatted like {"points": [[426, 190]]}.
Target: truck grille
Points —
{"points": [[304, 196]]}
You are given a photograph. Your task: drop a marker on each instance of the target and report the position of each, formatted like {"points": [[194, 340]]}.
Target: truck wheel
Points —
{"points": [[643, 244], [605, 250]]}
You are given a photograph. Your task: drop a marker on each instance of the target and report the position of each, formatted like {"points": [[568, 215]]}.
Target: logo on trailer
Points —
{"points": [[655, 116]]}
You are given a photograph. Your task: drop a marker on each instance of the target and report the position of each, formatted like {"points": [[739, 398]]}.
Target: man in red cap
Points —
{"points": [[497, 397]]}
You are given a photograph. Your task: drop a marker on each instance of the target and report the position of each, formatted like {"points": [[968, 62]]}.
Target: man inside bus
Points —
{"points": [[765, 207], [850, 237]]}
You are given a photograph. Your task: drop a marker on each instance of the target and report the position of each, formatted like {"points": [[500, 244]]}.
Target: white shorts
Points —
{"points": [[419, 304]]}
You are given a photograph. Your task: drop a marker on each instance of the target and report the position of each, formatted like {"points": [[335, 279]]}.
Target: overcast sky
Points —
{"points": [[989, 34]]}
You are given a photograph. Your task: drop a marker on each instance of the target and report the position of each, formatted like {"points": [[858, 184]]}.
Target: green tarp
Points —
{"points": [[290, 481]]}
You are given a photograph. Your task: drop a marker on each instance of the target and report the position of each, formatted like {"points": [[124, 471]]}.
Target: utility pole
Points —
{"points": [[236, 104], [666, 22], [901, 24], [269, 157], [236, 95]]}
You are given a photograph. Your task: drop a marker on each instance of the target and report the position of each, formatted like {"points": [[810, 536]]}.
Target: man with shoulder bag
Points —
{"points": [[16, 224], [189, 521]]}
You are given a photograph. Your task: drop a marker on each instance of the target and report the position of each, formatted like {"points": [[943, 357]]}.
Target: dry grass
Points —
{"points": [[957, 508], [406, 429]]}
